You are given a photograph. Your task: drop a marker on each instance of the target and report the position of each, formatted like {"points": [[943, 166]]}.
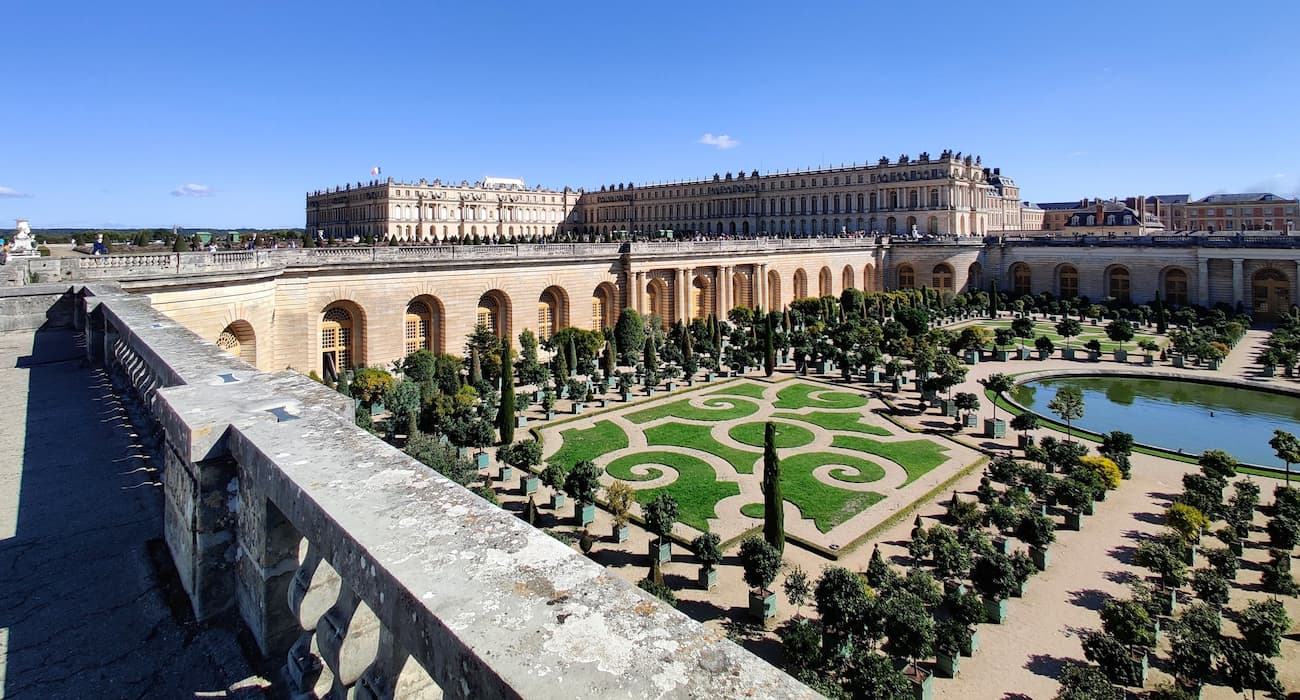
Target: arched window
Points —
{"points": [[975, 276], [932, 225], [418, 332], [906, 277], [239, 340], [702, 296], [800, 284], [1176, 287], [846, 277], [824, 282], [941, 277], [602, 306], [1067, 282], [335, 342], [773, 290], [547, 306], [493, 313], [1021, 281], [1118, 284], [891, 225]]}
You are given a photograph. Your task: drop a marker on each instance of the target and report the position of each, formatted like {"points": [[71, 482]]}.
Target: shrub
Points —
{"points": [[1187, 521], [1106, 469], [761, 562], [658, 590]]}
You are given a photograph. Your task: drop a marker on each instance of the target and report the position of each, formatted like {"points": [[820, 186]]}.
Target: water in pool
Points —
{"points": [[1176, 415]]}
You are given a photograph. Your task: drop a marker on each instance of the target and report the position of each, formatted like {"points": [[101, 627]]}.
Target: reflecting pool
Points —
{"points": [[1176, 415]]}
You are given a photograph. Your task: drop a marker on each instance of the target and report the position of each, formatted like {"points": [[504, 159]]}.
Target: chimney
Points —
{"points": [[1101, 212], [1083, 202], [1142, 204]]}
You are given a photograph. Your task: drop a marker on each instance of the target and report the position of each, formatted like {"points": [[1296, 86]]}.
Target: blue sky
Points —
{"points": [[226, 114]]}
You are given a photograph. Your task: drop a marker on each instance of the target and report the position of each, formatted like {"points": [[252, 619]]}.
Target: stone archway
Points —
{"points": [[1270, 293], [239, 340]]}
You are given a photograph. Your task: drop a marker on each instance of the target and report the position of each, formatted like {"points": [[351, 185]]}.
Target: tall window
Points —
{"points": [[906, 277], [1118, 284], [941, 278], [1068, 282], [1176, 288], [419, 324], [336, 342], [1021, 280]]}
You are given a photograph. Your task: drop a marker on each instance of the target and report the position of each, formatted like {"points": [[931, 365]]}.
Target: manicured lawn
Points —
{"points": [[799, 395], [787, 435], [825, 505], [750, 389], [720, 409], [916, 456], [845, 422], [602, 438], [696, 489], [698, 437], [1090, 332]]}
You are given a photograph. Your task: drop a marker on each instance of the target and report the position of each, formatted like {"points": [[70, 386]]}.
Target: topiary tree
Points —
{"points": [[1079, 682], [761, 563], [629, 335], [999, 384], [797, 588], [1211, 587], [1117, 446], [1068, 406], [1024, 423], [908, 625], [1068, 328], [582, 482], [773, 502], [522, 454], [1287, 448], [1161, 559], [994, 576], [843, 606], [1120, 331], [661, 514], [707, 550], [1187, 521], [618, 501]]}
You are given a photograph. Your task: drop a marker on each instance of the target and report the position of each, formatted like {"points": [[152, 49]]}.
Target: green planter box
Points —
{"points": [[995, 611], [762, 605], [507, 473], [528, 485], [521, 421], [972, 644], [972, 357], [1148, 360], [947, 665], [1023, 353], [1044, 354], [1073, 521], [995, 428], [620, 533], [1178, 360], [1215, 364], [557, 500], [1040, 557], [707, 578], [922, 682], [1121, 355], [663, 552], [970, 420], [1268, 371], [585, 514], [577, 407], [481, 460], [1002, 355], [949, 407]]}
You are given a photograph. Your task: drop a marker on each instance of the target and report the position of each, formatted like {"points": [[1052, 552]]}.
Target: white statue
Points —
{"points": [[22, 243]]}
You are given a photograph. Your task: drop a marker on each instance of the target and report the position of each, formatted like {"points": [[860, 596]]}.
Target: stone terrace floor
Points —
{"points": [[89, 606]]}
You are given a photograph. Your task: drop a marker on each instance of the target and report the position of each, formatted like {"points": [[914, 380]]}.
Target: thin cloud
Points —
{"points": [[1078, 154], [721, 141], [192, 190], [11, 193]]}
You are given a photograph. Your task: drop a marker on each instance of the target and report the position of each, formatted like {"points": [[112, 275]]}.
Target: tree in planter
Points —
{"points": [[1287, 448], [998, 384], [1117, 446], [1080, 682], [1044, 345], [1024, 423], [1068, 328], [761, 563], [554, 476], [548, 400], [1195, 641], [908, 625], [618, 501], [651, 364], [1022, 328], [1112, 656], [521, 455], [1162, 560], [1107, 473], [1283, 532], [1277, 576], [873, 676], [801, 644], [797, 588], [1187, 521], [967, 402], [1246, 670], [1003, 337], [1037, 531], [1211, 587], [660, 516], [773, 503], [581, 483], [1120, 331], [1130, 623], [994, 577], [1262, 625], [707, 551], [1068, 406], [845, 608], [963, 514], [950, 557]]}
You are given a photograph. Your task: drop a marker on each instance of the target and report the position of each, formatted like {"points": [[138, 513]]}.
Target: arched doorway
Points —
{"points": [[1271, 293], [742, 290], [338, 341], [975, 277], [656, 295], [493, 313], [1119, 284], [868, 278], [1021, 279], [941, 278], [1176, 287], [800, 284], [774, 290], [420, 329], [824, 282], [239, 340], [906, 277], [1067, 282], [702, 305], [552, 312], [602, 306], [846, 278]]}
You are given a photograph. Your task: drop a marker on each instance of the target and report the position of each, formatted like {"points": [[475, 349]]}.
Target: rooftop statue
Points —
{"points": [[22, 243]]}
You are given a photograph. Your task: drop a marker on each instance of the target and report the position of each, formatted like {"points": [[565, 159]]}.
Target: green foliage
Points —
{"points": [[522, 454], [1111, 655], [994, 576], [1211, 587], [1162, 560], [707, 550], [369, 384], [1080, 682], [1067, 404], [843, 605], [554, 474], [773, 503], [797, 586], [801, 642], [1187, 521], [658, 589], [506, 411], [441, 458], [1247, 670], [1262, 625], [583, 481], [660, 515], [629, 335], [761, 562], [618, 501], [908, 625], [1128, 621]]}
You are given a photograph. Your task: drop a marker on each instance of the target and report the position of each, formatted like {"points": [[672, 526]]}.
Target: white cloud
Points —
{"points": [[192, 190], [11, 192], [720, 141], [1078, 154]]}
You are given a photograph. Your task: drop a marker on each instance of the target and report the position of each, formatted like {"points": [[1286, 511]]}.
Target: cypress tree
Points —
{"points": [[769, 347], [475, 369], [993, 300], [611, 352], [1162, 322], [774, 504], [561, 366], [786, 321], [717, 338], [571, 348], [506, 411]]}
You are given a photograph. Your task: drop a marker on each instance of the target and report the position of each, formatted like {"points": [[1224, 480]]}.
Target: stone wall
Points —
{"points": [[348, 559]]}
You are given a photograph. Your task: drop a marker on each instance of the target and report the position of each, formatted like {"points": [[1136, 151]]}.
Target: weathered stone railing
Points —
{"points": [[372, 575], [714, 247]]}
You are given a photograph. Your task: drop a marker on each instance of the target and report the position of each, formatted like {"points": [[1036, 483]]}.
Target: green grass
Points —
{"points": [[602, 438], [799, 395], [753, 391], [1089, 333], [915, 456], [696, 489], [824, 504], [699, 437], [787, 435], [720, 409], [844, 422]]}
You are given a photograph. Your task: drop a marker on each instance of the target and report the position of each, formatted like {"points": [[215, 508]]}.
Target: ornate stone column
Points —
{"points": [[1202, 282], [1237, 281]]}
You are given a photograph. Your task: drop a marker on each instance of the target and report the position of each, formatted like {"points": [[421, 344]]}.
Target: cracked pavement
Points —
{"points": [[83, 608]]}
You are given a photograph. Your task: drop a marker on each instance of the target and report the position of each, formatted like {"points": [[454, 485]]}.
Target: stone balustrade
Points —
{"points": [[350, 560]]}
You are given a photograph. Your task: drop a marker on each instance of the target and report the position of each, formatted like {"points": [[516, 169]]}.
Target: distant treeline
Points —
{"points": [[144, 236]]}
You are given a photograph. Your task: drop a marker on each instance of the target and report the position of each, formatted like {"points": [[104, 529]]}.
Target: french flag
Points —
{"points": [[374, 170]]}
